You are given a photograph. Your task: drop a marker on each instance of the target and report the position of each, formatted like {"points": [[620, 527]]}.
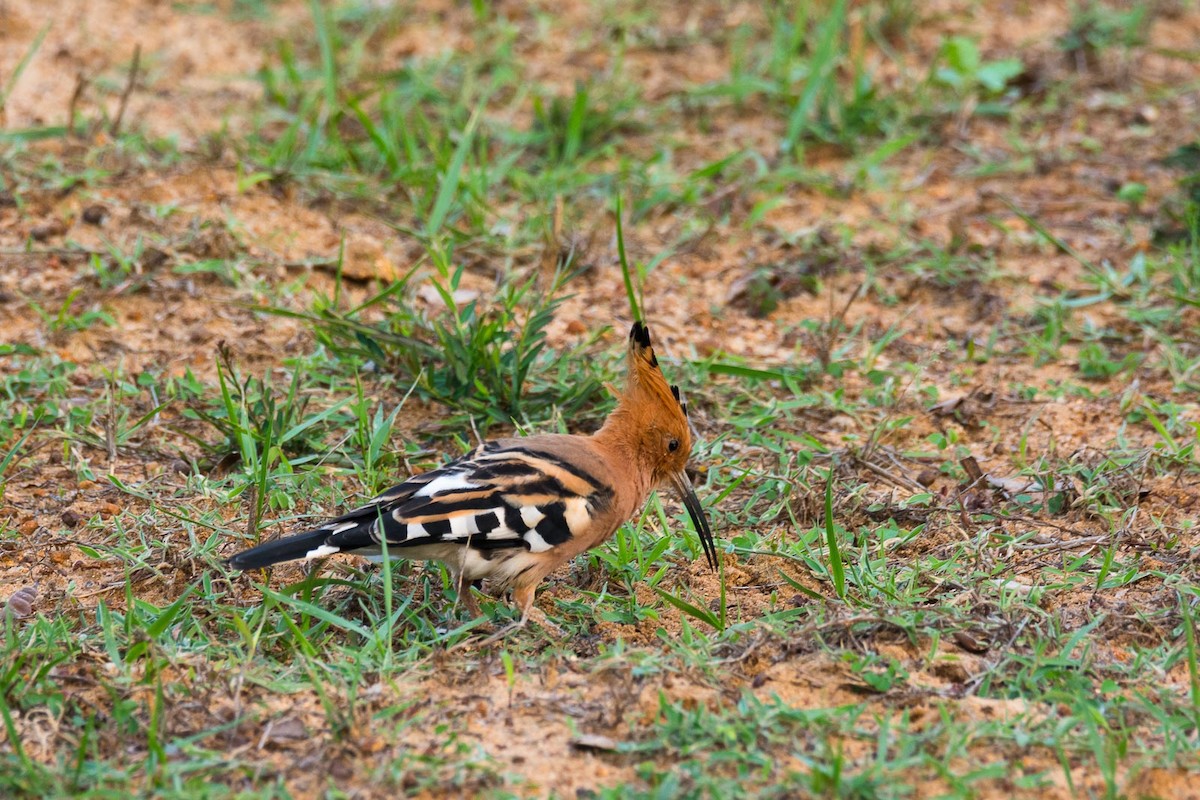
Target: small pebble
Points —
{"points": [[153, 258], [95, 214], [21, 603], [43, 231]]}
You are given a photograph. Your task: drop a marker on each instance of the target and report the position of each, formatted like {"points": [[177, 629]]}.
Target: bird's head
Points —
{"points": [[653, 414]]}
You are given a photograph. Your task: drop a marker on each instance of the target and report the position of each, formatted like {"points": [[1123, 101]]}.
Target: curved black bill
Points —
{"points": [[683, 486]]}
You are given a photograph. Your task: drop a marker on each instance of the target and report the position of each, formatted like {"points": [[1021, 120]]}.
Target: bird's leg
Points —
{"points": [[468, 599], [466, 596], [523, 597]]}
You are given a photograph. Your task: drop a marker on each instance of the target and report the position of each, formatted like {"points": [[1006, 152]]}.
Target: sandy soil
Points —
{"points": [[197, 76]]}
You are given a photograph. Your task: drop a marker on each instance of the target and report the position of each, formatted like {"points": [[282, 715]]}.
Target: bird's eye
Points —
{"points": [[673, 445]]}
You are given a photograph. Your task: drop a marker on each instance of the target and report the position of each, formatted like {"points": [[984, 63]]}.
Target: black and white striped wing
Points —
{"points": [[499, 497]]}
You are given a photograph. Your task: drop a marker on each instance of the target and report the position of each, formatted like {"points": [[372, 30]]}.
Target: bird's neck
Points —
{"points": [[618, 440]]}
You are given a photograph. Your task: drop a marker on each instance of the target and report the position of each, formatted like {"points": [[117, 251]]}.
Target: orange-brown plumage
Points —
{"points": [[515, 509]]}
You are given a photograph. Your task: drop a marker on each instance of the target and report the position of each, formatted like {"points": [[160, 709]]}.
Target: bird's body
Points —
{"points": [[513, 510]]}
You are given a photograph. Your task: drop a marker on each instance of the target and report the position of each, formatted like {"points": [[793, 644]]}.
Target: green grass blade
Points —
{"points": [[34, 46], [383, 144], [324, 33], [316, 611], [836, 568], [11, 455], [1059, 243], [574, 138], [1193, 661], [634, 306], [168, 614], [142, 420], [756, 373], [25, 135], [702, 614], [315, 419], [449, 187], [820, 72]]}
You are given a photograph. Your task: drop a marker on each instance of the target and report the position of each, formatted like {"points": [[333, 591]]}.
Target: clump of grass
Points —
{"points": [[253, 418], [1096, 27], [487, 356], [807, 68], [569, 129], [810, 54]]}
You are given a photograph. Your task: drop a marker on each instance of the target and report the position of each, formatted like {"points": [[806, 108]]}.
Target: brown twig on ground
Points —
{"points": [[1070, 544], [900, 480], [829, 328], [81, 82], [115, 128], [252, 519], [110, 426], [62, 252]]}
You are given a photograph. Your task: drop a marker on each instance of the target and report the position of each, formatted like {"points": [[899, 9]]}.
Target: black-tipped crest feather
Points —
{"points": [[640, 333]]}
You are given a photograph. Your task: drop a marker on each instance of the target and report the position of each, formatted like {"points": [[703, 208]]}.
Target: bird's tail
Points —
{"points": [[302, 545]]}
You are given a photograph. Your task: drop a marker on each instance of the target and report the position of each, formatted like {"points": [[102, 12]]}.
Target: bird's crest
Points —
{"points": [[646, 383]]}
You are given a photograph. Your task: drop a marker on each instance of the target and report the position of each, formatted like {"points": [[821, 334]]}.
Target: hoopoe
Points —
{"points": [[514, 509]]}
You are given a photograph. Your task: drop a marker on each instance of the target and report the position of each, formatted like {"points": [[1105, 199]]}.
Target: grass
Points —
{"points": [[947, 436]]}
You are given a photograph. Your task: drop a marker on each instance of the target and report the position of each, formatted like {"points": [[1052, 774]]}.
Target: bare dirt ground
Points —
{"points": [[198, 79]]}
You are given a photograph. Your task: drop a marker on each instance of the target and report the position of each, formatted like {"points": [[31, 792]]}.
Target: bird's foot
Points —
{"points": [[535, 614], [539, 616], [503, 632]]}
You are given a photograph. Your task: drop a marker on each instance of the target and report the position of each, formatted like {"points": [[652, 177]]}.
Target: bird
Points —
{"points": [[513, 510]]}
